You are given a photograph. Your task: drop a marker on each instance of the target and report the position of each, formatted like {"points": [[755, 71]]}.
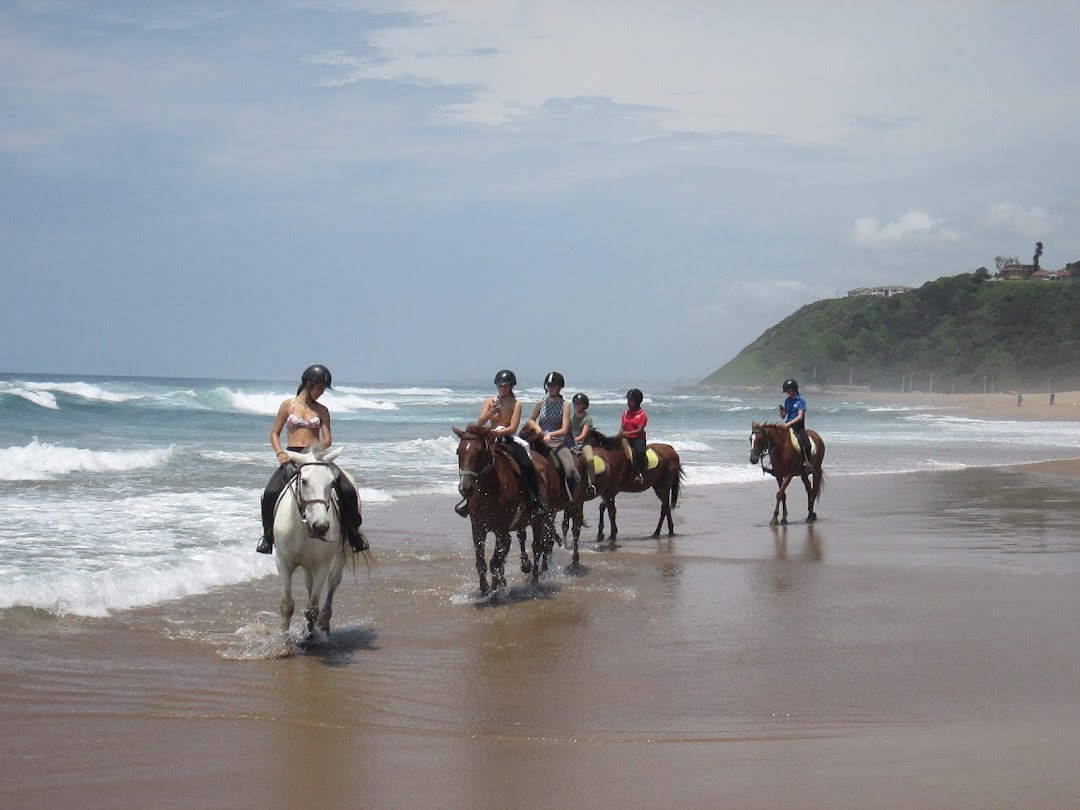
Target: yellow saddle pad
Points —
{"points": [[795, 442], [651, 459]]}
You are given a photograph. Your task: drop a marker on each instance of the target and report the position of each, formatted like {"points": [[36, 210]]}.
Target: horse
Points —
{"points": [[614, 473], [571, 502], [774, 442], [308, 534], [498, 502]]}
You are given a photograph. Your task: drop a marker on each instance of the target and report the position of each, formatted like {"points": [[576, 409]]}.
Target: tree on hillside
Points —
{"points": [[1004, 261], [981, 275], [1035, 258]]}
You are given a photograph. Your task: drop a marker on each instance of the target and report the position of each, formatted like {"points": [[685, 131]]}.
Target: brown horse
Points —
{"points": [[498, 502], [774, 442], [618, 475], [570, 502]]}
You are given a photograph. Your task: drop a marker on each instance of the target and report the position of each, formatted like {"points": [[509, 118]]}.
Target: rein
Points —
{"points": [[474, 473], [766, 451]]}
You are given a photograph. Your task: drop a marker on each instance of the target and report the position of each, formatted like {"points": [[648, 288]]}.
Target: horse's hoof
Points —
{"points": [[811, 517], [526, 567]]}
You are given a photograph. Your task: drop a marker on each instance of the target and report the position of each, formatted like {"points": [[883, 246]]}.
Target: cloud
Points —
{"points": [[1014, 219], [914, 229]]}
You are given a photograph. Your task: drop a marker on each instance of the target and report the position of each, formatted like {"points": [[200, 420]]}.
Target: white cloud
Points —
{"points": [[1014, 219], [912, 229]]}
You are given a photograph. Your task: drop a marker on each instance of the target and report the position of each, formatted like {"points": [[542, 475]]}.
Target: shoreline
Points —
{"points": [[1002, 406]]}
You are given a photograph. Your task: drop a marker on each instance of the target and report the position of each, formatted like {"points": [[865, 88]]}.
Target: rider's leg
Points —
{"points": [[528, 472], [590, 473], [570, 471], [804, 443], [638, 446], [269, 499], [349, 503]]}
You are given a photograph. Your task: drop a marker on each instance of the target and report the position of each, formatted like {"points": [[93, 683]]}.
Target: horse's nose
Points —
{"points": [[464, 486], [320, 527]]}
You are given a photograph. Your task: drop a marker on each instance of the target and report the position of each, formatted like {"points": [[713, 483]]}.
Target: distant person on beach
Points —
{"points": [[503, 411], [580, 428], [794, 413], [634, 420], [1019, 400], [552, 414], [307, 423], [1051, 397]]}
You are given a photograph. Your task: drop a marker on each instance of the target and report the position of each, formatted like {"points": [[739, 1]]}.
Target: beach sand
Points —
{"points": [[917, 647], [1035, 407]]}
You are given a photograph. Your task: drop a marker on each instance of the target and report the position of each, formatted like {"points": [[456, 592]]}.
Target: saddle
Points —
{"points": [[651, 459], [794, 437]]}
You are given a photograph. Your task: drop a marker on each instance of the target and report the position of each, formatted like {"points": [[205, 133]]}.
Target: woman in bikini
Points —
{"points": [[307, 422]]}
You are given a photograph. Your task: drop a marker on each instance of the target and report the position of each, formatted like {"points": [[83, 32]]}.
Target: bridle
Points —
{"points": [[486, 451], [766, 451], [302, 503]]}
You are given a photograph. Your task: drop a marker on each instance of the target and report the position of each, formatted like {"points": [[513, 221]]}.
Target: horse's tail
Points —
{"points": [[819, 483], [676, 485]]}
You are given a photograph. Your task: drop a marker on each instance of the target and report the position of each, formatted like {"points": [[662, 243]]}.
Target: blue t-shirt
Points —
{"points": [[792, 406]]}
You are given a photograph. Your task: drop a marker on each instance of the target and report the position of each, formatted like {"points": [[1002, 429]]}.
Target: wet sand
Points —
{"points": [[1035, 407], [917, 647]]}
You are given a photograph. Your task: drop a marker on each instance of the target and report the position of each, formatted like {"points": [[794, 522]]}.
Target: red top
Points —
{"points": [[633, 423]]}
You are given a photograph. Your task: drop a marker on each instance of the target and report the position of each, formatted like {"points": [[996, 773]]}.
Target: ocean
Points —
{"points": [[124, 492]]}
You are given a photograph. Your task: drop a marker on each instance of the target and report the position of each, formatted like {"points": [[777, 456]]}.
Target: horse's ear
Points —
{"points": [[327, 456], [459, 433], [754, 425]]}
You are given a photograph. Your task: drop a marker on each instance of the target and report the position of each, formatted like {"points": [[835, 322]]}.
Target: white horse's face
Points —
{"points": [[315, 490]]}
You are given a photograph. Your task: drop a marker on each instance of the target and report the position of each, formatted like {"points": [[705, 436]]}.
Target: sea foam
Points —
{"points": [[41, 461]]}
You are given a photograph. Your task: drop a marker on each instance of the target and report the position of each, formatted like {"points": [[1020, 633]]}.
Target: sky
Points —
{"points": [[432, 190]]}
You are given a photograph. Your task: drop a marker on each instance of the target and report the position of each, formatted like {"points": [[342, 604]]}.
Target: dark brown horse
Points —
{"points": [[772, 446], [498, 502], [618, 475], [570, 501]]}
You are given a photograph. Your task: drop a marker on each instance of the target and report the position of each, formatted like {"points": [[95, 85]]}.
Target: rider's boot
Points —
{"points": [[266, 544], [358, 541]]}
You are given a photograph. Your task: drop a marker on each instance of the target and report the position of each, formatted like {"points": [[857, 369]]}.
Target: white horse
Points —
{"points": [[308, 534]]}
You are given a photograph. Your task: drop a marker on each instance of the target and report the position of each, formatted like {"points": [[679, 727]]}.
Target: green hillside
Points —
{"points": [[970, 335]]}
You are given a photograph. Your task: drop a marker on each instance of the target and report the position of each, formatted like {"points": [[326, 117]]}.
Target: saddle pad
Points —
{"points": [[598, 465], [651, 459], [795, 442]]}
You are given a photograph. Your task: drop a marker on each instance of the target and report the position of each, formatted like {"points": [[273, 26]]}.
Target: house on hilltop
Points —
{"points": [[886, 291], [1020, 272]]}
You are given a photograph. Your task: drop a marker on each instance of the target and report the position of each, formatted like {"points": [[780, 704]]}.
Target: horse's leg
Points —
{"points": [[578, 519], [614, 526], [288, 604], [337, 566], [665, 511], [498, 558], [315, 584], [526, 565], [479, 538], [810, 515], [566, 522], [781, 501], [600, 524]]}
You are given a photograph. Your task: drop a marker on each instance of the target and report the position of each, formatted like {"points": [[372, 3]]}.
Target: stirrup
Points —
{"points": [[590, 491]]}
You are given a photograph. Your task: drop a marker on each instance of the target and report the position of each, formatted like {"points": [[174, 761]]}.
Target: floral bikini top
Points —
{"points": [[294, 422]]}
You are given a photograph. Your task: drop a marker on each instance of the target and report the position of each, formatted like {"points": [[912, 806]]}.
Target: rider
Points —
{"points": [[504, 412], [794, 412], [634, 420], [553, 415], [307, 422], [580, 427]]}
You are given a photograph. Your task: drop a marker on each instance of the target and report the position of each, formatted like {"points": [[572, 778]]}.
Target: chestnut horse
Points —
{"points": [[571, 503], [774, 442], [498, 502], [618, 475]]}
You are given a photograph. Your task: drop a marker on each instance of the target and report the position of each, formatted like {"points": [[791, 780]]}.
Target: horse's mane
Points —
{"points": [[603, 441]]}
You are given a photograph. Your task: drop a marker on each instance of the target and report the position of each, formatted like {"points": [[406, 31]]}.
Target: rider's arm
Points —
{"points": [[511, 428], [798, 418], [562, 431], [325, 438], [536, 409], [485, 411], [585, 428], [279, 425]]}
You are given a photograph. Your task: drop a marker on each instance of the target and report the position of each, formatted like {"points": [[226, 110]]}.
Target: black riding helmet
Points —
{"points": [[636, 395], [320, 375], [554, 378], [790, 384], [582, 399], [505, 377]]}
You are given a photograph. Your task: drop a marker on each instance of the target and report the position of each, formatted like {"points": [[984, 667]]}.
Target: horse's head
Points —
{"points": [[759, 442], [474, 456], [314, 487]]}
